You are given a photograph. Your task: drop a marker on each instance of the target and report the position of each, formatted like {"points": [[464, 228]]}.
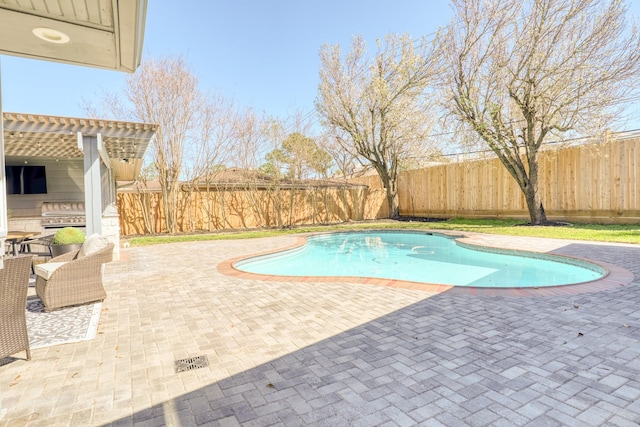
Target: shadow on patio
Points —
{"points": [[449, 359]]}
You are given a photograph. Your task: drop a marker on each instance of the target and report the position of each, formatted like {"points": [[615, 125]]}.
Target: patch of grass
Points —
{"points": [[589, 232]]}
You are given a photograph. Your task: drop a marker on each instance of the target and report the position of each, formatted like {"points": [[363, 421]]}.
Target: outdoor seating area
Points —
{"points": [[74, 277], [71, 279], [297, 352]]}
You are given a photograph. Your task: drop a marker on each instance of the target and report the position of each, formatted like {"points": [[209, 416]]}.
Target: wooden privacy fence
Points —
{"points": [[217, 208], [589, 183], [597, 183]]}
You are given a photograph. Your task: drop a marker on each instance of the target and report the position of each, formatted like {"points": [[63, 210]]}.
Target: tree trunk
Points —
{"points": [[394, 208], [393, 201], [537, 214], [532, 196], [168, 211], [172, 208]]}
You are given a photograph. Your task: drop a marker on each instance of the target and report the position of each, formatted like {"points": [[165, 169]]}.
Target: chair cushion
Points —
{"points": [[45, 270], [93, 244]]}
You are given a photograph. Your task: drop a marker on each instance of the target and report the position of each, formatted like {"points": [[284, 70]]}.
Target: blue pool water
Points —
{"points": [[419, 257]]}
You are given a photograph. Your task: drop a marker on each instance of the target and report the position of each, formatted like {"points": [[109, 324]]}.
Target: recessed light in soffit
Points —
{"points": [[50, 35]]}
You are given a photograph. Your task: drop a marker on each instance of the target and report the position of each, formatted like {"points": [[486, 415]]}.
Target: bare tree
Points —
{"points": [[377, 109], [344, 162], [250, 140], [165, 92], [523, 71], [248, 151], [206, 158], [216, 132]]}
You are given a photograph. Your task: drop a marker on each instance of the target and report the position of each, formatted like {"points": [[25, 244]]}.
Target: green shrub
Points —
{"points": [[68, 236]]}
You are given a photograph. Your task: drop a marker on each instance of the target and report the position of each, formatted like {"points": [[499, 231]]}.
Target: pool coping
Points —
{"points": [[614, 277]]}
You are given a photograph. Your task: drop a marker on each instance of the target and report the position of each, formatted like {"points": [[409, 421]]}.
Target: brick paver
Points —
{"points": [[335, 353]]}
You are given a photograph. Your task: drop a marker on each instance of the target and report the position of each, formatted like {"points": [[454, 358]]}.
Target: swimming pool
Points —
{"points": [[420, 257]]}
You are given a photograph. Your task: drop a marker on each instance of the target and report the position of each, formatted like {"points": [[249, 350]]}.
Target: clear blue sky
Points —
{"points": [[262, 54]]}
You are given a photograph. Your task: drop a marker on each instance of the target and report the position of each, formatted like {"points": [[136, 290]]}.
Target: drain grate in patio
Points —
{"points": [[191, 363]]}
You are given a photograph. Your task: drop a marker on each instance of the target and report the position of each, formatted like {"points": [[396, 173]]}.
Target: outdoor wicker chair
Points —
{"points": [[14, 284], [72, 278]]}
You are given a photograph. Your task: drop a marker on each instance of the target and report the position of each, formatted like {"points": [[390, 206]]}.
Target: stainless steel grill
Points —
{"points": [[63, 214]]}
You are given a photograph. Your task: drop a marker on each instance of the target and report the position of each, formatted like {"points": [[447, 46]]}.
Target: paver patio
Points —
{"points": [[304, 353]]}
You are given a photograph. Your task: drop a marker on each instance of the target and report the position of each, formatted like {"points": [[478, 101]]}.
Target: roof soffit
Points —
{"points": [[102, 33]]}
